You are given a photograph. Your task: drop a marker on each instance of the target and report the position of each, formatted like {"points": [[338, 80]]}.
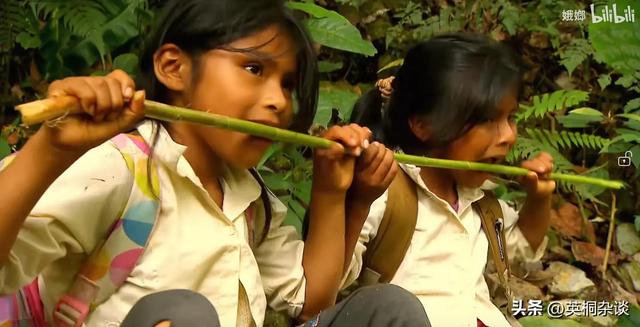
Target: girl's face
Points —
{"points": [[487, 142], [255, 85]]}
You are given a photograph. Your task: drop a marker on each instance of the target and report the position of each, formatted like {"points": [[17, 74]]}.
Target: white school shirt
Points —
{"points": [[447, 256], [195, 245]]}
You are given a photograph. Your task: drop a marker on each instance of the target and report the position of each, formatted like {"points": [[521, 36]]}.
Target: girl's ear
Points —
{"points": [[172, 67], [420, 128]]}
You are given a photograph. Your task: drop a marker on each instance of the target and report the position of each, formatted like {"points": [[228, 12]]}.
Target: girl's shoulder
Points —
{"points": [[103, 166]]}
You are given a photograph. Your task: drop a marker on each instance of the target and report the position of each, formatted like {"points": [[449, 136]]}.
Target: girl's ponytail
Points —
{"points": [[370, 109]]}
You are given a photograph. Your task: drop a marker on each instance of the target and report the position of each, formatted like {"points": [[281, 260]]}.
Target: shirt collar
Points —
{"points": [[166, 150], [466, 195], [240, 188]]}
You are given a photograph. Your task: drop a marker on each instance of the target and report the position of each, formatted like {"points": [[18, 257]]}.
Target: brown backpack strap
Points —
{"points": [[388, 248], [492, 220]]}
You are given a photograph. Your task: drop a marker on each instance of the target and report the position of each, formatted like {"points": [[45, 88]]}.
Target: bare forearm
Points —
{"points": [[356, 216], [323, 251], [22, 184], [535, 219]]}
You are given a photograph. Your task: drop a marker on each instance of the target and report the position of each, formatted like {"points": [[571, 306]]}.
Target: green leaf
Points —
{"points": [[309, 8], [635, 160], [543, 321], [632, 320], [632, 105], [587, 111], [626, 81], [27, 40], [577, 120], [329, 66], [118, 30], [628, 135], [271, 151], [295, 215], [604, 80], [550, 102], [277, 182], [628, 239], [331, 97], [395, 63], [99, 72], [302, 191], [332, 30], [5, 149], [564, 139], [510, 18], [576, 52], [635, 117], [616, 44], [127, 62], [588, 191]]}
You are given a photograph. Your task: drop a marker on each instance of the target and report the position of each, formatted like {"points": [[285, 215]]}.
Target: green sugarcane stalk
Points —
{"points": [[166, 112], [52, 108], [170, 113]]}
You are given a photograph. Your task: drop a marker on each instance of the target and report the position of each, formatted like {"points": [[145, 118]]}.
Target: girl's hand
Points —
{"points": [[109, 108], [375, 171], [536, 183], [333, 168], [385, 87]]}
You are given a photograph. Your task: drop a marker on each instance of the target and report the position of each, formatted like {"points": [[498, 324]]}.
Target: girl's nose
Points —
{"points": [[276, 98]]}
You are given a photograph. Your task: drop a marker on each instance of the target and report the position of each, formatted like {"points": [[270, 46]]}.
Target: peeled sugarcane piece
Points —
{"points": [[42, 110], [51, 108]]}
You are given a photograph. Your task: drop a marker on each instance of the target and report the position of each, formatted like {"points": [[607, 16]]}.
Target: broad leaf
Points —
{"points": [[333, 30], [331, 97]]}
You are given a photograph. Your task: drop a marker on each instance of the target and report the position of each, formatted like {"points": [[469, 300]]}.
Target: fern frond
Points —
{"points": [[550, 102], [564, 139], [527, 147], [79, 16], [575, 53], [84, 17], [16, 18], [523, 149]]}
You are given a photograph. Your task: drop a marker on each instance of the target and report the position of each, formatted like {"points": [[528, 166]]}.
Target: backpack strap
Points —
{"points": [[113, 260], [492, 220], [388, 248], [261, 227]]}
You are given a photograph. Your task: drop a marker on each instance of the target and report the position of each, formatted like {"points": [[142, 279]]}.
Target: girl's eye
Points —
{"points": [[289, 84], [255, 69]]}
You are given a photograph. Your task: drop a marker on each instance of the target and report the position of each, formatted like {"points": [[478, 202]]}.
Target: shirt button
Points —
{"points": [[232, 231]]}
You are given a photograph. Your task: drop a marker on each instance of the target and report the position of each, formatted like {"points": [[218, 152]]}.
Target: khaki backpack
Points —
{"points": [[387, 249]]}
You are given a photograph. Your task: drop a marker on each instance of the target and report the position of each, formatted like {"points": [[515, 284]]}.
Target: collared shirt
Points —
{"points": [[445, 261], [195, 244]]}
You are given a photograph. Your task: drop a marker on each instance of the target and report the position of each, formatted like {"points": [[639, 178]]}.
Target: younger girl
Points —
{"points": [[455, 97], [218, 232]]}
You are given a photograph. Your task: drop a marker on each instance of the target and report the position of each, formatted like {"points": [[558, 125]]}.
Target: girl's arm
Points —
{"points": [[24, 181], [54, 148], [324, 249], [535, 214], [375, 171]]}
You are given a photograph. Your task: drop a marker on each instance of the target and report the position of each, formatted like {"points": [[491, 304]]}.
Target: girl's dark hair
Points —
{"points": [[197, 26], [453, 81]]}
